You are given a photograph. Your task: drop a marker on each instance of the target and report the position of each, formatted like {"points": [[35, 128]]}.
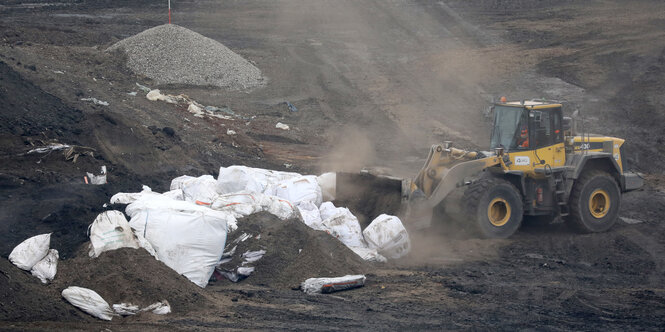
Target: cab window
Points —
{"points": [[546, 127]]}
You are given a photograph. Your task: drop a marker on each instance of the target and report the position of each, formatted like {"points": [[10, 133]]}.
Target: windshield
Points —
{"points": [[510, 128]]}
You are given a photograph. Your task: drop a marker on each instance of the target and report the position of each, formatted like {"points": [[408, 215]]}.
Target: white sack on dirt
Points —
{"points": [[238, 178], [88, 301], [330, 285], [170, 54], [46, 268], [111, 231], [388, 236], [188, 238], [126, 309], [29, 252]]}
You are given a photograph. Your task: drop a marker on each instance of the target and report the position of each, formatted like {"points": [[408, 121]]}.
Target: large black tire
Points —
{"points": [[495, 205], [594, 202]]}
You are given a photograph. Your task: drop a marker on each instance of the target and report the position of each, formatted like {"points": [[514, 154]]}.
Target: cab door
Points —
{"points": [[547, 136]]}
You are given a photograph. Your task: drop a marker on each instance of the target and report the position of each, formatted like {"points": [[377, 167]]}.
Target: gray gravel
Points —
{"points": [[170, 54]]}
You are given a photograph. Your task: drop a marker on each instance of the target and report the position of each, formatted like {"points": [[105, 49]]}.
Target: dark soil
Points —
{"points": [[294, 252], [375, 83]]}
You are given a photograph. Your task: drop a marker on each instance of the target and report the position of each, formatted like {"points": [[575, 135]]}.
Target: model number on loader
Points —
{"points": [[522, 161]]}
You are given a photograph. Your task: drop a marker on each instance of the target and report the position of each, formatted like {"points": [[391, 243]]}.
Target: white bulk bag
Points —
{"points": [[238, 178], [388, 236], [188, 238], [201, 190], [310, 215], [345, 227], [327, 210], [111, 231], [88, 301], [179, 182], [297, 190], [46, 268], [240, 204], [29, 252], [281, 208], [328, 184]]}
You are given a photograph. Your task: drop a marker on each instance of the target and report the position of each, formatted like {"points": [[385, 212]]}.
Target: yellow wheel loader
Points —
{"points": [[538, 165]]}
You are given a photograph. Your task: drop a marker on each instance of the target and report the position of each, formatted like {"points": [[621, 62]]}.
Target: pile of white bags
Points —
{"points": [[35, 256], [186, 227]]}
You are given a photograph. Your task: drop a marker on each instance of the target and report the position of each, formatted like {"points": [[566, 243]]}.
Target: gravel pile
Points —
{"points": [[170, 54]]}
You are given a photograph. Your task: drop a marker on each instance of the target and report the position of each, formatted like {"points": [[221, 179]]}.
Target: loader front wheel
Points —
{"points": [[496, 207], [594, 202]]}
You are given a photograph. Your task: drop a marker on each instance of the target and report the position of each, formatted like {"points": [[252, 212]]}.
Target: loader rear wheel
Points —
{"points": [[496, 207], [594, 202]]}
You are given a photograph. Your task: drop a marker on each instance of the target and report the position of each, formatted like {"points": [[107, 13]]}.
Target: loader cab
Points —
{"points": [[531, 132], [527, 125]]}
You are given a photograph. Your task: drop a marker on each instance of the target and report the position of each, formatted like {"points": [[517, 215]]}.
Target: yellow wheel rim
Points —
{"points": [[599, 203], [498, 212]]}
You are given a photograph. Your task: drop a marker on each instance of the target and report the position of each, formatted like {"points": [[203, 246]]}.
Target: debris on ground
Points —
{"points": [[291, 107], [331, 285], [282, 126], [171, 54], [96, 179], [96, 101]]}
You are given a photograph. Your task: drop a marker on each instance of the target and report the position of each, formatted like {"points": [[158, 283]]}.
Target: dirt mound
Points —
{"points": [[24, 298], [294, 252], [131, 275], [171, 54]]}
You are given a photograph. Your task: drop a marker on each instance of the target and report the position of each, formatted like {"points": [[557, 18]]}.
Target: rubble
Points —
{"points": [[171, 54]]}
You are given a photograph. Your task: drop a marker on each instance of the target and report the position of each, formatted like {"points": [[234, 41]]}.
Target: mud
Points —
{"points": [[402, 75]]}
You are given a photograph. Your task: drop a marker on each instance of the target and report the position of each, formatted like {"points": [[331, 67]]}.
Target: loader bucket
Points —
{"points": [[369, 195]]}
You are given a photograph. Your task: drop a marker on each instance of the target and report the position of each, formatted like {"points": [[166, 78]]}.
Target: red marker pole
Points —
{"points": [[169, 11]]}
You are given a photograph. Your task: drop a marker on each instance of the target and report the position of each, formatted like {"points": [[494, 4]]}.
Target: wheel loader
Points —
{"points": [[539, 164]]}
